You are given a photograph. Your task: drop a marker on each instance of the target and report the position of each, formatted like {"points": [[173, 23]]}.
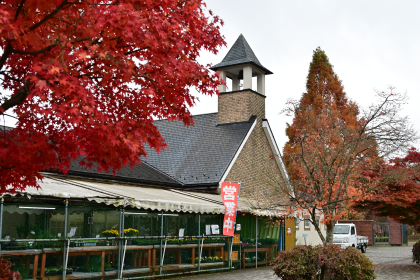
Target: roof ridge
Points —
{"points": [[249, 52], [252, 119], [191, 116]]}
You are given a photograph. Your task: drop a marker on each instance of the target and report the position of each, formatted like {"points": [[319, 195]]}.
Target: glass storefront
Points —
{"points": [[34, 239]]}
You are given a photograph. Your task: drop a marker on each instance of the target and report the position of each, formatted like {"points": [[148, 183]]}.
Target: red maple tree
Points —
{"points": [[87, 78], [398, 196]]}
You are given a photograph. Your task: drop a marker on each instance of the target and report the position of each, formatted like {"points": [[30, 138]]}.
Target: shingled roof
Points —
{"points": [[240, 53], [140, 173], [196, 155]]}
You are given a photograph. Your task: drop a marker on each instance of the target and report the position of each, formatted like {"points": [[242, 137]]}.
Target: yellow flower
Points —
{"points": [[110, 232], [130, 230]]}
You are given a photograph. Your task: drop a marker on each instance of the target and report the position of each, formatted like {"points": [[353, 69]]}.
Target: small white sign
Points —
{"points": [[208, 230], [215, 229], [59, 234], [97, 236], [238, 227], [72, 231], [181, 233]]}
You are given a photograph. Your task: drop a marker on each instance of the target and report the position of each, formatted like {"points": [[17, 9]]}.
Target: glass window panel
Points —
{"points": [[22, 221], [208, 220], [104, 220]]}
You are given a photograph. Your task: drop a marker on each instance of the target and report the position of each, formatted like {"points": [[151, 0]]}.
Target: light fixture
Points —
{"points": [[168, 215], [131, 213], [39, 208]]}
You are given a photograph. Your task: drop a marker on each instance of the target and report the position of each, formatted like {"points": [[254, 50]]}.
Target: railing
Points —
{"points": [[143, 256]]}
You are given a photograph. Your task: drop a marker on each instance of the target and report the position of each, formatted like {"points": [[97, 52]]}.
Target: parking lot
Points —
{"points": [[391, 262]]}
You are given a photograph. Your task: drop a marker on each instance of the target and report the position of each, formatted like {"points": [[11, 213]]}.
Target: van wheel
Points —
{"points": [[363, 249]]}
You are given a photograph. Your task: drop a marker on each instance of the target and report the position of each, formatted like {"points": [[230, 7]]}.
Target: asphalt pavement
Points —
{"points": [[391, 263]]}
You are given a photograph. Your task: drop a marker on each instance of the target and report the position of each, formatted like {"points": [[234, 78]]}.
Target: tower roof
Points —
{"points": [[240, 53]]}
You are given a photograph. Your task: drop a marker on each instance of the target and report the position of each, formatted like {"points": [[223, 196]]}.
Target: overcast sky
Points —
{"points": [[371, 44]]}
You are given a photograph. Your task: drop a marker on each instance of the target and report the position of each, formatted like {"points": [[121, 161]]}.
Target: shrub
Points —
{"points": [[307, 262], [298, 263], [416, 253], [6, 271], [346, 264]]}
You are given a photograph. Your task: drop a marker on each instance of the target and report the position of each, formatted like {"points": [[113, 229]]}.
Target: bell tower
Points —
{"points": [[240, 65]]}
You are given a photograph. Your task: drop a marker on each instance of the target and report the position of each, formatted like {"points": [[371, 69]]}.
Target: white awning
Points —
{"points": [[120, 194], [126, 195]]}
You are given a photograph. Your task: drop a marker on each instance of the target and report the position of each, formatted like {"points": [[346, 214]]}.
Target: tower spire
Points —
{"points": [[241, 63]]}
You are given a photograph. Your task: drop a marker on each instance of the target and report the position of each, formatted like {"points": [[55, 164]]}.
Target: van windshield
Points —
{"points": [[340, 229]]}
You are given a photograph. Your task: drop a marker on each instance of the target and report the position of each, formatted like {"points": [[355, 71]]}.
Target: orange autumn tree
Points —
{"points": [[333, 146], [88, 78]]}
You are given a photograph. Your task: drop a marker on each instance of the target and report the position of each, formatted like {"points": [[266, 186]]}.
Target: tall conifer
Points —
{"points": [[322, 118]]}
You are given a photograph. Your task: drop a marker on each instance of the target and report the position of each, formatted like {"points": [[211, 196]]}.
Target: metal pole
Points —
{"points": [[281, 236], [256, 241], [284, 235], [231, 252], [66, 213], [1, 221], [161, 253], [122, 222], [240, 255], [122, 262], [122, 242], [199, 233], [119, 245]]}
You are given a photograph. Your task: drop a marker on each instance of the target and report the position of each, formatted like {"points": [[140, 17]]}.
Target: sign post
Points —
{"points": [[304, 236], [230, 196]]}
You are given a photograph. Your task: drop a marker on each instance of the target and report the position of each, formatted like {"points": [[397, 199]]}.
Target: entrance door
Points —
{"points": [[404, 233], [381, 233]]}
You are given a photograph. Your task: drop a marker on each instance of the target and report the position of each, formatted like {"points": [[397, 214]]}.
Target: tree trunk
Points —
{"points": [[330, 233]]}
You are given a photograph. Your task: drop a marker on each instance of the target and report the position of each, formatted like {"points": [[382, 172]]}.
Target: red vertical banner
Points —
{"points": [[230, 197]]}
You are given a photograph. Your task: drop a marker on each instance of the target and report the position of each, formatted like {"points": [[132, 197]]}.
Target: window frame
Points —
{"points": [[308, 227]]}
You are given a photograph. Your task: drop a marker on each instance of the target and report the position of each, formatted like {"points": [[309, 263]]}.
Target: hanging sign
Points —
{"points": [[230, 196]]}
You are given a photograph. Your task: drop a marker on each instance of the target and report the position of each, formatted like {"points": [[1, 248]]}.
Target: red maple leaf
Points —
{"points": [[103, 73]]}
